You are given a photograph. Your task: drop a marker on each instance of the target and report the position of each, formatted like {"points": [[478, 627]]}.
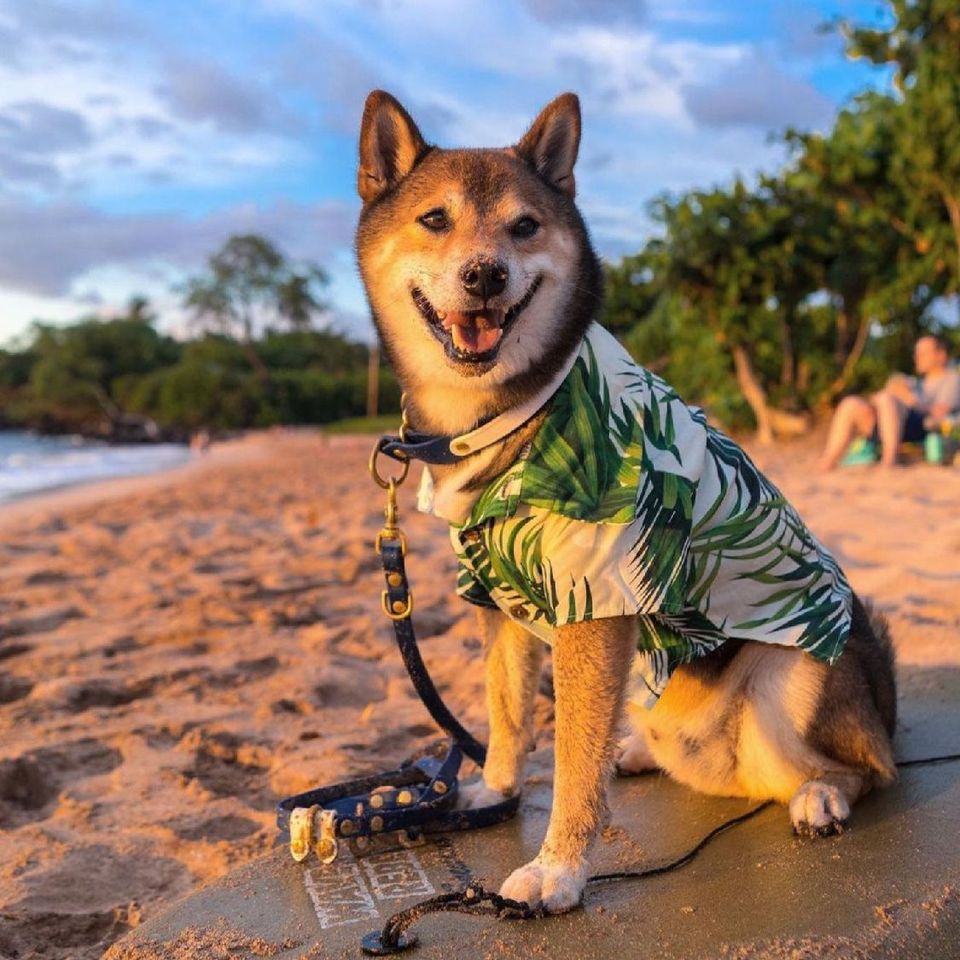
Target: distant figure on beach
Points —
{"points": [[903, 411], [200, 442]]}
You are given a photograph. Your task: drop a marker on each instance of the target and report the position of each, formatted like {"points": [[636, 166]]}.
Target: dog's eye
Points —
{"points": [[524, 227], [435, 220]]}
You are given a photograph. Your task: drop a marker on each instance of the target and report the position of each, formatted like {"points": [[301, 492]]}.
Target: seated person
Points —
{"points": [[903, 411]]}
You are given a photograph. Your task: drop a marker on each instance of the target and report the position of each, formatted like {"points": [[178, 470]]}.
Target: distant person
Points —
{"points": [[200, 442], [903, 411]]}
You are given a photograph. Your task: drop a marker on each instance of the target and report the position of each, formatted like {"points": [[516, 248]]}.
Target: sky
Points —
{"points": [[135, 137]]}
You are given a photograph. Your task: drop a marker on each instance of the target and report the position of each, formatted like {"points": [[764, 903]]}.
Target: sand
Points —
{"points": [[178, 651]]}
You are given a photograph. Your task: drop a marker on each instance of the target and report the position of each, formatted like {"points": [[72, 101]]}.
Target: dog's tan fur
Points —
{"points": [[751, 719]]}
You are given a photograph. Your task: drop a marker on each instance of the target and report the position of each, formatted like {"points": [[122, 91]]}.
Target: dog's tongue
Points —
{"points": [[475, 332]]}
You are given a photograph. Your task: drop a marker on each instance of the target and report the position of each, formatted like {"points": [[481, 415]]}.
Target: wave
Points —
{"points": [[32, 464]]}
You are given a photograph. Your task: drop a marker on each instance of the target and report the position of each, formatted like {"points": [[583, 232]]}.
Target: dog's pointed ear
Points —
{"points": [[390, 145], [552, 142]]}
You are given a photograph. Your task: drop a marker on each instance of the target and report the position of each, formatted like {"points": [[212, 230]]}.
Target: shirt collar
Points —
{"points": [[493, 431]]}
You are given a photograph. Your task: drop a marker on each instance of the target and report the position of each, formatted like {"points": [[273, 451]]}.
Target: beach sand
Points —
{"points": [[178, 651]]}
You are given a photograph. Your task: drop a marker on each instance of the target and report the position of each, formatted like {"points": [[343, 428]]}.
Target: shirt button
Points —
{"points": [[518, 611]]}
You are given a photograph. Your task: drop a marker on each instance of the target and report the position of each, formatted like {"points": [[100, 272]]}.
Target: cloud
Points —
{"points": [[33, 173], [37, 128], [44, 248], [636, 74], [596, 11], [757, 93], [803, 33], [10, 46], [203, 91], [333, 75], [103, 19], [151, 127]]}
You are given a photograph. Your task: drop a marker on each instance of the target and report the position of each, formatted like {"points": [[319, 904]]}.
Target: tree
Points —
{"points": [[923, 47], [74, 369], [730, 257], [249, 282], [876, 267]]}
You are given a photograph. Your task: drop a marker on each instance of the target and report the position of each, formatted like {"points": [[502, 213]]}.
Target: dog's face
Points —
{"points": [[476, 262]]}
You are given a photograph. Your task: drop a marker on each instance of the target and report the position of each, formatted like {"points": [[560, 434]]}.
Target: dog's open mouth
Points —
{"points": [[472, 336]]}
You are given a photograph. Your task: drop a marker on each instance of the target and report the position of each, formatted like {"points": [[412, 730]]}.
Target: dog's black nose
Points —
{"points": [[484, 279]]}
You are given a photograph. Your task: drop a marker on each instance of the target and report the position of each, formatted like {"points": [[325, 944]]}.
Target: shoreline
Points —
{"points": [[94, 491]]}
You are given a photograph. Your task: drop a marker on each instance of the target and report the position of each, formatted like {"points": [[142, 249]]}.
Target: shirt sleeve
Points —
{"points": [[948, 391], [471, 589]]}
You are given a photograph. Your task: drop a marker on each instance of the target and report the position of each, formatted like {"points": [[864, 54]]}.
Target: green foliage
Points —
{"points": [[769, 302], [62, 378], [250, 280], [922, 45], [87, 375]]}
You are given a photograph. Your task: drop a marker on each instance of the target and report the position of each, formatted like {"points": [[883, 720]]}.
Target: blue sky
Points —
{"points": [[136, 136]]}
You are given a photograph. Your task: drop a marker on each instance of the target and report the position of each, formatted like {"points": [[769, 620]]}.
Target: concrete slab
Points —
{"points": [[889, 887]]}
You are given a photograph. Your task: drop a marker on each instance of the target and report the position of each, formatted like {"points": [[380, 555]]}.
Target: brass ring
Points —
{"points": [[397, 535], [385, 484], [404, 609]]}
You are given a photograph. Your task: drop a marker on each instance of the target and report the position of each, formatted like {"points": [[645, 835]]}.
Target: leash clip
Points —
{"points": [[326, 847], [301, 825]]}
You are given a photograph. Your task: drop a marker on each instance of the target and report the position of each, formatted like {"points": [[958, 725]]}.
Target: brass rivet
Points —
{"points": [[376, 801], [460, 446], [472, 536], [398, 606], [440, 787], [518, 611], [376, 824], [394, 579], [404, 797], [347, 827]]}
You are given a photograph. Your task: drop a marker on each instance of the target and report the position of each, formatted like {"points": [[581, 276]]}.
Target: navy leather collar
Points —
{"points": [[442, 449], [419, 446]]}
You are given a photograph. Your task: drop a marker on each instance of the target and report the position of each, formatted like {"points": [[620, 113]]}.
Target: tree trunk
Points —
{"points": [[953, 209], [753, 393], [246, 322], [842, 336], [770, 421], [852, 358], [259, 367], [788, 366]]}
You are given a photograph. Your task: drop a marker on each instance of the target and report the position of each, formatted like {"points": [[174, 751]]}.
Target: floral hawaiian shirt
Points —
{"points": [[627, 503]]}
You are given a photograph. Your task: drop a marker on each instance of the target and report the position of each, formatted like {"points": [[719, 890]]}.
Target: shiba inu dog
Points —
{"points": [[590, 507]]}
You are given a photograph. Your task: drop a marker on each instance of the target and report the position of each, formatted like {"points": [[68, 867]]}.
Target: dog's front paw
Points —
{"points": [[818, 809], [473, 796], [556, 888]]}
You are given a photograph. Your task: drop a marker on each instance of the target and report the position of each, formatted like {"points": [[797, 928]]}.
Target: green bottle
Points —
{"points": [[933, 447]]}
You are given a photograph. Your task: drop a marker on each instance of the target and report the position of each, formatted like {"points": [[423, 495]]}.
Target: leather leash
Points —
{"points": [[419, 797]]}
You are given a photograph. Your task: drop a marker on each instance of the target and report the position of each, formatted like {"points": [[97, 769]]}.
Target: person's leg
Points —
{"points": [[891, 414], [853, 417]]}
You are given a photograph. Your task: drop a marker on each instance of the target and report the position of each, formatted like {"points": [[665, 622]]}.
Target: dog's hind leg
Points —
{"points": [[513, 661], [821, 807], [772, 722], [852, 726], [591, 663], [633, 752]]}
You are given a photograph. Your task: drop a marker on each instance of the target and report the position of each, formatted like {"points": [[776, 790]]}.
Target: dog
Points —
{"points": [[591, 508]]}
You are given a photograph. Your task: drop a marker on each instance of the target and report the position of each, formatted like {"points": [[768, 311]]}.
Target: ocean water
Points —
{"points": [[31, 464]]}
